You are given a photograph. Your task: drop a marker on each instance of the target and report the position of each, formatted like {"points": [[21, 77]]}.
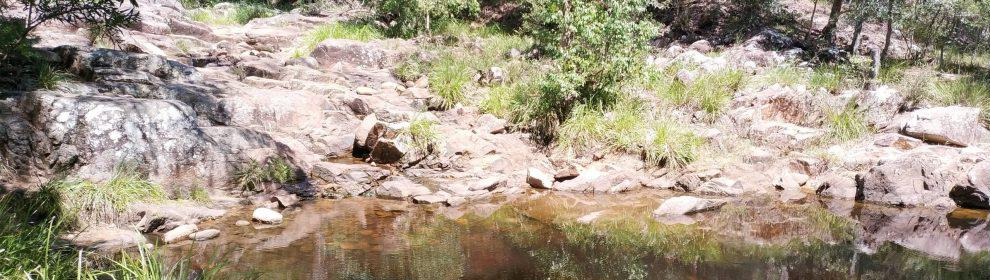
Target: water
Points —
{"points": [[539, 237]]}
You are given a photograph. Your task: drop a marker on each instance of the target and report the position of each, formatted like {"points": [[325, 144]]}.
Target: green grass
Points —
{"points": [[409, 69], [785, 75], [848, 124], [338, 30], [150, 265], [830, 77], [199, 194], [450, 78], [49, 77], [253, 175], [671, 145], [966, 91], [424, 134], [103, 201], [824, 221], [710, 92], [241, 14]]}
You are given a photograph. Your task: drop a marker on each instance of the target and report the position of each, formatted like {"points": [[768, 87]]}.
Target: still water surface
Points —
{"points": [[566, 236]]}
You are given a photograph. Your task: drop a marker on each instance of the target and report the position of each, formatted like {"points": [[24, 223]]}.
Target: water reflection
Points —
{"points": [[539, 238]]}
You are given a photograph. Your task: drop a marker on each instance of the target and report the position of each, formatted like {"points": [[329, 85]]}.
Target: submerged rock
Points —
{"points": [[685, 205], [179, 233], [267, 216], [204, 234]]}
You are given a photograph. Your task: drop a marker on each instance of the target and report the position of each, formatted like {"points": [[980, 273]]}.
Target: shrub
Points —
{"points": [[103, 201], [408, 18], [409, 69], [48, 77], [785, 75], [199, 194], [596, 44], [450, 77], [424, 135]]}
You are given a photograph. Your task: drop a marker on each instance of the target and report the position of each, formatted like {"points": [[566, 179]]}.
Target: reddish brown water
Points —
{"points": [[538, 237]]}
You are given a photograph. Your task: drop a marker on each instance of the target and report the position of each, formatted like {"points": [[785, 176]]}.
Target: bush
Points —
{"points": [[254, 175], [101, 202], [424, 135], [597, 45], [408, 18], [966, 91], [671, 146]]}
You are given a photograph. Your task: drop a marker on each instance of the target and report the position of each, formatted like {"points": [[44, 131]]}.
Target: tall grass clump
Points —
{"points": [[847, 124], [590, 128], [338, 30], [966, 91], [254, 175], [785, 75], [103, 201], [424, 134], [830, 77], [241, 13], [29, 230], [450, 77], [150, 265], [711, 92], [670, 145]]}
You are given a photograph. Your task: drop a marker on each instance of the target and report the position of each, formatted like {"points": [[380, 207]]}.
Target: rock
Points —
{"points": [[377, 54], [538, 179], [494, 75], [685, 205], [975, 192], [592, 180], [685, 76], [429, 199], [880, 105], [488, 184], [591, 217], [159, 217], [792, 196], [915, 178], [896, 140], [402, 188], [721, 186], [953, 125], [456, 201], [348, 179], [568, 173], [359, 107], [488, 123], [837, 185], [388, 151], [662, 183], [267, 216], [702, 46], [365, 91], [367, 134], [266, 68], [178, 233], [285, 201], [204, 235], [242, 223], [788, 180], [106, 239]]}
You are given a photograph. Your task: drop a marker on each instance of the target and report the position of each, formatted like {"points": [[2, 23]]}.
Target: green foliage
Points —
{"points": [[450, 77], [240, 14], [597, 45], [589, 128], [408, 18], [710, 92], [103, 201], [966, 91], [830, 77], [150, 265], [506, 101], [672, 146], [253, 175], [423, 134], [48, 77], [847, 124], [29, 229], [785, 75], [199, 194], [338, 30], [409, 69]]}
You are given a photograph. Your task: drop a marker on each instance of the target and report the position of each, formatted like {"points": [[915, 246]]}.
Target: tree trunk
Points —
{"points": [[828, 33], [811, 25], [857, 37], [890, 29]]}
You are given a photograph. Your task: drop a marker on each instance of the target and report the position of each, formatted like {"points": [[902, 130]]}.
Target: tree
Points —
{"points": [[103, 17], [828, 32]]}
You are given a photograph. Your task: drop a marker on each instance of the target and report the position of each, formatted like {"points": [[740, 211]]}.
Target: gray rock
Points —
{"points": [[285, 201], [488, 123], [975, 191], [267, 216], [721, 186], [916, 178], [685, 205], [204, 235], [702, 46], [837, 185], [178, 233], [953, 125], [106, 239], [538, 179], [429, 199]]}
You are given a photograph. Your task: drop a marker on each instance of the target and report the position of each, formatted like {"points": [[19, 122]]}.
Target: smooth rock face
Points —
{"points": [[107, 239], [954, 125], [914, 178], [178, 233], [267, 216], [538, 179], [685, 205], [204, 234], [402, 188], [838, 186]]}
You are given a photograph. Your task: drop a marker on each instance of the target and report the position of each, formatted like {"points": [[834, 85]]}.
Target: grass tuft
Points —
{"points": [[103, 201], [966, 91], [337, 30], [241, 13], [450, 77], [672, 146], [48, 77], [847, 124], [424, 134], [254, 175]]}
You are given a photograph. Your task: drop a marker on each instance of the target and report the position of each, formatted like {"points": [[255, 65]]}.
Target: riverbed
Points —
{"points": [[553, 235]]}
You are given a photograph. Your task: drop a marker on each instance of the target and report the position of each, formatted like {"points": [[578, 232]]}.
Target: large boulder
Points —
{"points": [[974, 192], [347, 179], [379, 142], [953, 125], [685, 205], [375, 54], [402, 188], [916, 178]]}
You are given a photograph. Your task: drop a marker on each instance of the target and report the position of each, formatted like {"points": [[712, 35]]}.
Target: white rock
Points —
{"points": [[178, 233], [267, 216], [205, 234], [684, 205], [538, 179], [242, 223]]}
